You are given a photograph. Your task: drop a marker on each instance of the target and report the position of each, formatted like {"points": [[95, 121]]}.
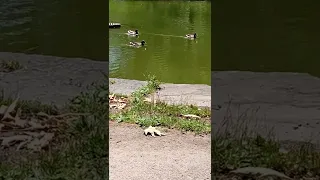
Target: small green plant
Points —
{"points": [[152, 86], [10, 66], [153, 83], [161, 114]]}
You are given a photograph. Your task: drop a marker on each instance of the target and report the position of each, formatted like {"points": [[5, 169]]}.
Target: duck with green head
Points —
{"points": [[130, 32], [137, 44], [191, 36]]}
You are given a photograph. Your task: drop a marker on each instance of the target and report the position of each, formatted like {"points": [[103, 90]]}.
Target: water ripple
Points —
{"points": [[15, 12]]}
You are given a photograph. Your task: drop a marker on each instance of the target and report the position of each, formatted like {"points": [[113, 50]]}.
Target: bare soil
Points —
{"points": [[132, 155]]}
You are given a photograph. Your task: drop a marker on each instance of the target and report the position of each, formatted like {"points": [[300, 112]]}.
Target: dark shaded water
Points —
{"points": [[167, 54], [266, 36], [54, 27]]}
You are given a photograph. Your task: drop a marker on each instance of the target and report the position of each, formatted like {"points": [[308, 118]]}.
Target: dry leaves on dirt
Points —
{"points": [[33, 132], [117, 102]]}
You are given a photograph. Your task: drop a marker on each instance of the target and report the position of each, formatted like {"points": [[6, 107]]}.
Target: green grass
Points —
{"points": [[30, 107], [161, 114], [237, 147], [10, 66], [82, 150]]}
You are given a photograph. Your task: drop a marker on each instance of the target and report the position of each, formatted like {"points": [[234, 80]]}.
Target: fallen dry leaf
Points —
{"points": [[111, 96], [191, 116], [21, 145], [9, 109], [262, 172], [17, 121], [34, 134], [117, 102], [121, 101], [12, 106], [118, 106], [38, 143], [153, 131], [147, 100], [122, 106], [3, 109], [43, 114], [18, 114], [36, 125], [21, 123], [9, 141]]}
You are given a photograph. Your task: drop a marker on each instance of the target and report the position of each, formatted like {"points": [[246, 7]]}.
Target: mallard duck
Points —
{"points": [[137, 44], [191, 35], [133, 32]]}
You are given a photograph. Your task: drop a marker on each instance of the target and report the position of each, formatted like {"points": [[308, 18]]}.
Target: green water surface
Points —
{"points": [[266, 35], [167, 54], [54, 27]]}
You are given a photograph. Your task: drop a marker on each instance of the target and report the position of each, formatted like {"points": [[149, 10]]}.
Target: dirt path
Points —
{"points": [[174, 156]]}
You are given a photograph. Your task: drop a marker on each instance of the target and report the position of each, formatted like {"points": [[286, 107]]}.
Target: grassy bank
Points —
{"points": [[142, 108], [79, 149], [236, 147]]}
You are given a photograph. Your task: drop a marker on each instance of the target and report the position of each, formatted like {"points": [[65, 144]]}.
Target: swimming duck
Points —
{"points": [[137, 44], [133, 32], [191, 35]]}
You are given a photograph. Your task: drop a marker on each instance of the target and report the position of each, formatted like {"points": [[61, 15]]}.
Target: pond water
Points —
{"points": [[167, 54], [266, 36], [54, 27]]}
